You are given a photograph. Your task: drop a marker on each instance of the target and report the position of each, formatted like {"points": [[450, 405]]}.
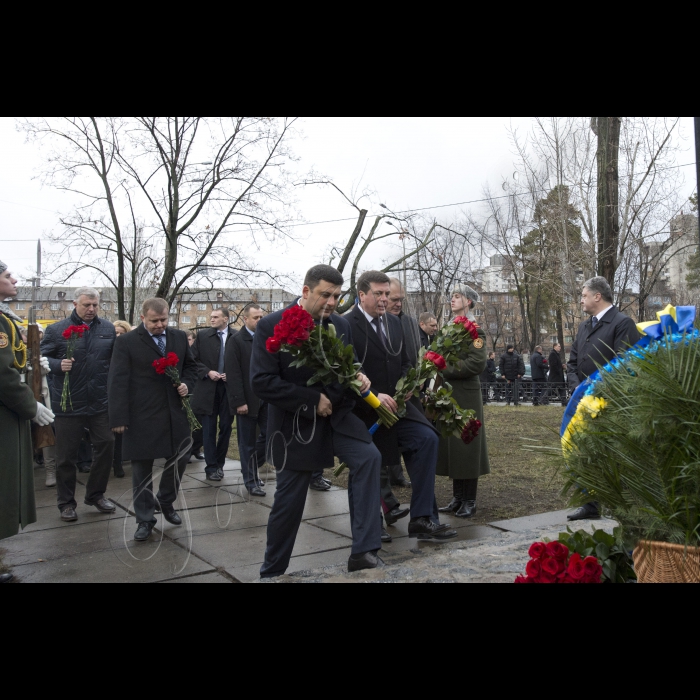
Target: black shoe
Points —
{"points": [[386, 537], [220, 472], [119, 471], [257, 492], [468, 510], [364, 562], [157, 509], [84, 470], [172, 517], [68, 515], [587, 512], [214, 476], [143, 533], [103, 505], [199, 457], [453, 507], [6, 578], [424, 529], [395, 515], [320, 485]]}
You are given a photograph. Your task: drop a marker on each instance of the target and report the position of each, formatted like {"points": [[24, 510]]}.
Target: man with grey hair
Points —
{"points": [[606, 335], [87, 407]]}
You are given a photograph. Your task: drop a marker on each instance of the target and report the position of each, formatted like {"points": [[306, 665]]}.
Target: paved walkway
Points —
{"points": [[224, 535]]}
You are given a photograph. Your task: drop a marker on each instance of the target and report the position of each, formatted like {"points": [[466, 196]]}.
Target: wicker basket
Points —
{"points": [[658, 562]]}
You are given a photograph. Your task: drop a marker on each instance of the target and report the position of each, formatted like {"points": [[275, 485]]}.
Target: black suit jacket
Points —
{"points": [[146, 402], [206, 350], [384, 368], [292, 419], [240, 391], [556, 368], [614, 335]]}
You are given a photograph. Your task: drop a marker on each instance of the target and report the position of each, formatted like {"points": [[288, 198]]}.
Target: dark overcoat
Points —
{"points": [[17, 408], [412, 337], [556, 368], [539, 367], [614, 335], [457, 460], [384, 367], [146, 402], [206, 350], [88, 378], [298, 439], [240, 390]]}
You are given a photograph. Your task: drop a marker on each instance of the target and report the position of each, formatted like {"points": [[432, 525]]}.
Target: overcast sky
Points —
{"points": [[409, 162]]}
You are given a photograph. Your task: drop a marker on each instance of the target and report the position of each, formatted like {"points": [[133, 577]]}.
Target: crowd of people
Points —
{"points": [[130, 412]]}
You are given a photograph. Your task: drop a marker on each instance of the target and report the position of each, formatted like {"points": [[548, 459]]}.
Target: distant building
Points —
{"points": [[190, 311]]}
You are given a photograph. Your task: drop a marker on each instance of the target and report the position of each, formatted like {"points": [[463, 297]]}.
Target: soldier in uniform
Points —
{"points": [[18, 408], [465, 464]]}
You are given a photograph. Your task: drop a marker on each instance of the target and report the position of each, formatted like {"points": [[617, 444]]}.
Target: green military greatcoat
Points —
{"points": [[17, 408], [457, 460]]}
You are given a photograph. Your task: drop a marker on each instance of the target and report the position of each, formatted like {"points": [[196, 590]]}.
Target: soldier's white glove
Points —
{"points": [[44, 416], [45, 367]]}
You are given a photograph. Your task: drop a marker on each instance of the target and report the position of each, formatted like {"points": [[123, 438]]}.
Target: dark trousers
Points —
{"points": [[69, 436], [540, 393], [118, 451], [290, 499], [215, 450], [252, 445], [389, 501], [557, 391], [142, 480], [513, 390]]}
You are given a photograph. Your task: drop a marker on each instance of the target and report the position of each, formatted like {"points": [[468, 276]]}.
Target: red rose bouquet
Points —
{"points": [[72, 334], [554, 563], [167, 366], [320, 350]]}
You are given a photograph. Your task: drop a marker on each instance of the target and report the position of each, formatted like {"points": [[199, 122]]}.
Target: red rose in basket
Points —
{"points": [[72, 334], [167, 366], [553, 563]]}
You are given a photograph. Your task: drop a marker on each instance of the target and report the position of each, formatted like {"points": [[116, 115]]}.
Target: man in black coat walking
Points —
{"points": [[540, 395], [250, 412], [512, 370], [556, 375], [308, 427], [606, 335], [380, 345], [148, 411], [210, 402], [87, 408]]}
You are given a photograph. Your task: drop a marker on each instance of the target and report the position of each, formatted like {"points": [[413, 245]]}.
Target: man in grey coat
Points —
{"points": [[607, 334]]}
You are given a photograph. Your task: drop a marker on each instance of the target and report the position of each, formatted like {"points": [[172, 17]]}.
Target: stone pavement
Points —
{"points": [[224, 535]]}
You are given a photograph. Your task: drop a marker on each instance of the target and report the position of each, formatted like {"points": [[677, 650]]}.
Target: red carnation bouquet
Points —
{"points": [[554, 563], [320, 350], [72, 334], [167, 366]]}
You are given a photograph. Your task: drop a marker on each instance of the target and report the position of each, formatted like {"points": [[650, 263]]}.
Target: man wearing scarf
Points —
{"points": [[18, 408]]}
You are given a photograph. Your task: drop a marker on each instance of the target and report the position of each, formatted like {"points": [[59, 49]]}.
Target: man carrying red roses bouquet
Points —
{"points": [[308, 426], [147, 409]]}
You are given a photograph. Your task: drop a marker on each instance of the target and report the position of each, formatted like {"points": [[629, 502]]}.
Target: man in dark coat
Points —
{"points": [[557, 382], [380, 345], [147, 409], [210, 402], [607, 334], [308, 427], [250, 412], [17, 408], [428, 329], [512, 370], [87, 408], [540, 367]]}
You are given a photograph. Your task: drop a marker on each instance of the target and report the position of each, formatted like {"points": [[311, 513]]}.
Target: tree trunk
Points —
{"points": [[608, 131]]}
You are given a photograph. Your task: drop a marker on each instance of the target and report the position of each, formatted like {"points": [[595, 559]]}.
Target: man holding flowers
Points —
{"points": [[152, 370], [79, 351], [311, 425], [381, 347]]}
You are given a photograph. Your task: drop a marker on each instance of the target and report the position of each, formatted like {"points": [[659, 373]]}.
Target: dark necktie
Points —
{"points": [[160, 339], [222, 351], [380, 330], [595, 322]]}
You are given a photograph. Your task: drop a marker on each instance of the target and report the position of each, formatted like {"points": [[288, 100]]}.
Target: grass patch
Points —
{"points": [[521, 483]]}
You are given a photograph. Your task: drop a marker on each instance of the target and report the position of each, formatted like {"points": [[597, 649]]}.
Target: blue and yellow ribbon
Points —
{"points": [[674, 323]]}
